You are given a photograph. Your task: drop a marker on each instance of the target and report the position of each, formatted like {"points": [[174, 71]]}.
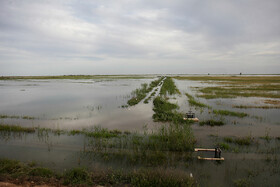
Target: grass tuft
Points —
{"points": [[10, 167], [41, 172], [14, 128], [193, 102], [248, 140], [99, 132], [224, 146], [165, 111], [230, 113], [140, 94], [77, 176], [211, 123], [16, 117], [242, 182]]}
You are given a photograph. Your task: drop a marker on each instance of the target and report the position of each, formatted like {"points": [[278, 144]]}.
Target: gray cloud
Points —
{"points": [[182, 36]]}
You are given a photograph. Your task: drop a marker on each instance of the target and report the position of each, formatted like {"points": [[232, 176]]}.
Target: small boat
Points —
{"points": [[191, 116]]}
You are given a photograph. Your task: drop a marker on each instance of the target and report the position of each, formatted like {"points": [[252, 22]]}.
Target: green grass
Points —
{"points": [[41, 172], [231, 92], [14, 171], [262, 107], [224, 146], [99, 132], [169, 87], [169, 137], [166, 111], [266, 137], [248, 140], [211, 123], [238, 86], [140, 94], [244, 182], [230, 113], [146, 101], [159, 178], [244, 141], [167, 146], [229, 139], [173, 137], [77, 176], [15, 128], [193, 102]]}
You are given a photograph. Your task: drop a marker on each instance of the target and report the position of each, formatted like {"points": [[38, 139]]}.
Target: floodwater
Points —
{"points": [[256, 124], [258, 164], [73, 104], [77, 104]]}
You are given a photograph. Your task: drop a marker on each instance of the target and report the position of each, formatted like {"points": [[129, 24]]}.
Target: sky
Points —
{"points": [[62, 37]]}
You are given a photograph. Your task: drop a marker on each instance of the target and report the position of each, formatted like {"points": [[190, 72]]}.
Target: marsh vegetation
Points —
{"points": [[139, 94], [238, 86], [34, 175], [194, 102]]}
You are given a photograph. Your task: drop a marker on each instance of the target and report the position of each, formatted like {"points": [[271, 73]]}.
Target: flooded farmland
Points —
{"points": [[89, 123]]}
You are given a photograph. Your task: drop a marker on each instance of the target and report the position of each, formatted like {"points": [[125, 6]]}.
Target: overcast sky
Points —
{"points": [[58, 37]]}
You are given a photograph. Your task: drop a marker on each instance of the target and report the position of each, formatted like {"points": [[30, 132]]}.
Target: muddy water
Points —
{"points": [[257, 123], [73, 104]]}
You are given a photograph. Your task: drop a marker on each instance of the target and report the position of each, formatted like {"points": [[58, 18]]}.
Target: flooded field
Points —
{"points": [[72, 104], [128, 124]]}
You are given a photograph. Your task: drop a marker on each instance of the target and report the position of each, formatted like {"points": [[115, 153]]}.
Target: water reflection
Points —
{"points": [[69, 104]]}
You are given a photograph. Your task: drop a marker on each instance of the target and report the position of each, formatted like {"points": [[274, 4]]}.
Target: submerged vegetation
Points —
{"points": [[145, 148], [211, 123], [230, 113], [238, 86], [165, 111], [232, 92], [140, 94], [260, 107], [169, 87], [248, 140], [2, 116], [14, 128], [149, 98], [193, 102]]}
